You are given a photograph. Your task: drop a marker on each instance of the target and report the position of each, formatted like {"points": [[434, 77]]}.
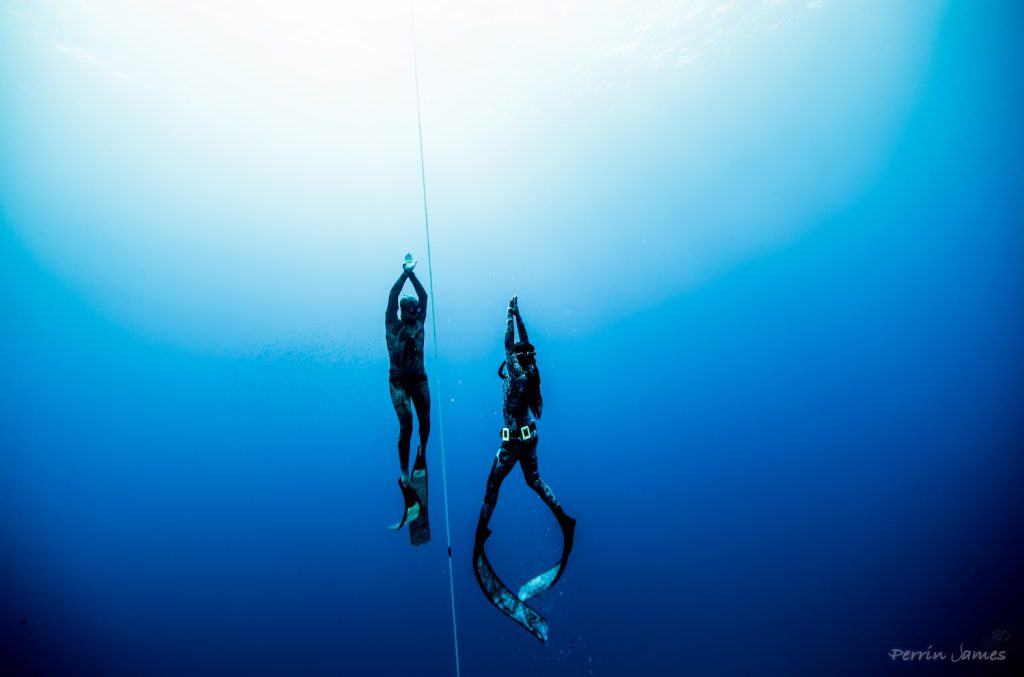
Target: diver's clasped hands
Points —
{"points": [[409, 264], [513, 306]]}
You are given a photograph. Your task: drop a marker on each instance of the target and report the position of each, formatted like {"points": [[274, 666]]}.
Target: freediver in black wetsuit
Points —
{"points": [[523, 405], [408, 379]]}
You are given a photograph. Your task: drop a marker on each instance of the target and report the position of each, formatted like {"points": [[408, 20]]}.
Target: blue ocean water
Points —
{"points": [[769, 253]]}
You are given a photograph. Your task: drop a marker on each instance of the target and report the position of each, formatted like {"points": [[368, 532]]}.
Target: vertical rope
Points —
{"points": [[433, 320]]}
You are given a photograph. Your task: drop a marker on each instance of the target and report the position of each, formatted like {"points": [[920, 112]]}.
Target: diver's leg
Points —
{"points": [[502, 466], [400, 400], [420, 394], [531, 473]]}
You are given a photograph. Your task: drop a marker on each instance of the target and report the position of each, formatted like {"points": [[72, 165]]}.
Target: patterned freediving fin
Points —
{"points": [[501, 597], [419, 527]]}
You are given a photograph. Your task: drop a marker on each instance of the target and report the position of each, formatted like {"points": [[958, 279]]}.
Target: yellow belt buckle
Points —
{"points": [[504, 435], [524, 432]]}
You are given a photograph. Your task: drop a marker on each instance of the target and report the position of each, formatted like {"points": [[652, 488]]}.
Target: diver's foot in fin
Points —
{"points": [[567, 523], [482, 534], [412, 504], [411, 513]]}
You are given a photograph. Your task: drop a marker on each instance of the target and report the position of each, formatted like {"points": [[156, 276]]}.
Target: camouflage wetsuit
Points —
{"points": [[517, 416], [408, 379]]}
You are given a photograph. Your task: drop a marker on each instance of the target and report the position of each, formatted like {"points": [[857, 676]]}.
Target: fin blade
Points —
{"points": [[502, 598], [543, 581], [419, 525]]}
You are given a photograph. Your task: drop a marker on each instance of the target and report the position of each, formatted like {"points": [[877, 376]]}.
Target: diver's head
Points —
{"points": [[410, 306], [525, 353]]}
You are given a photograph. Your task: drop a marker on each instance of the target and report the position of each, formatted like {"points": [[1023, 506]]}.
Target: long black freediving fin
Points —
{"points": [[501, 597], [412, 506], [419, 526], [542, 582]]}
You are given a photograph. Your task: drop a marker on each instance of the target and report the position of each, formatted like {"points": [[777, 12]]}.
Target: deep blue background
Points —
{"points": [[802, 464]]}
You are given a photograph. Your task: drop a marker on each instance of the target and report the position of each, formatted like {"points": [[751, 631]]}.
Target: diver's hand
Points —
{"points": [[409, 264], [513, 305]]}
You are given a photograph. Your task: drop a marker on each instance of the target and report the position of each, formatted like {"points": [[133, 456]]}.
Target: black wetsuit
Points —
{"points": [[517, 415], [408, 379]]}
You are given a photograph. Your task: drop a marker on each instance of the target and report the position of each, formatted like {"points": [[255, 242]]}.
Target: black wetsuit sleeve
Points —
{"points": [[522, 328], [515, 369], [391, 314], [420, 292], [510, 337]]}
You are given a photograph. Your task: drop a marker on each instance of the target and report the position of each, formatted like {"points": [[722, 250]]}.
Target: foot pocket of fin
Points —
{"points": [[412, 506]]}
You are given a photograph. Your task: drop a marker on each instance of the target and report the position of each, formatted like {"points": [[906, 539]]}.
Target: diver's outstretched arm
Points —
{"points": [[420, 291], [391, 314], [511, 357], [510, 337], [520, 325], [513, 310]]}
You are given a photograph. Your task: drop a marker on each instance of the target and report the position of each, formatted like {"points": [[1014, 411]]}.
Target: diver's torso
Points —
{"points": [[405, 348], [516, 410]]}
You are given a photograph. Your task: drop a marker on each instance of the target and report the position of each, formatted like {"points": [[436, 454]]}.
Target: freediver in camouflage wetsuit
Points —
{"points": [[523, 405], [408, 379]]}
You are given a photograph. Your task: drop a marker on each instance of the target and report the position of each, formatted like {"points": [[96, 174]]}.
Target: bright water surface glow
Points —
{"points": [[234, 169]]}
